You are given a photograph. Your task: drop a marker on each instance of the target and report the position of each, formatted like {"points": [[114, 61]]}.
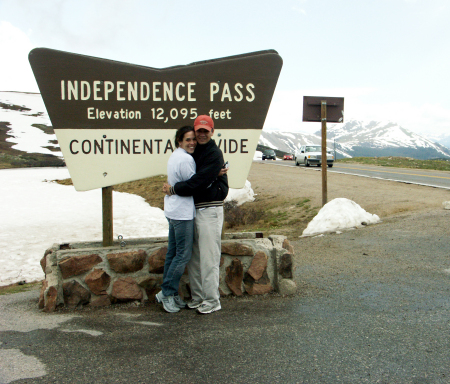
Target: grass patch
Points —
{"points": [[268, 214], [399, 162], [48, 129], [303, 202], [238, 216], [19, 287], [271, 215], [12, 158], [277, 215], [64, 181], [14, 107], [149, 188], [27, 160], [53, 149]]}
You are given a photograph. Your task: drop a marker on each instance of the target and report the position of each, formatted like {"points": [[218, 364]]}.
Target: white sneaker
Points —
{"points": [[168, 302], [194, 304], [159, 297], [179, 302], [206, 308]]}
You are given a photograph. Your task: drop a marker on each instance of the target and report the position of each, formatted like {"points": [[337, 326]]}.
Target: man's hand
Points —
{"points": [[223, 171], [166, 189]]}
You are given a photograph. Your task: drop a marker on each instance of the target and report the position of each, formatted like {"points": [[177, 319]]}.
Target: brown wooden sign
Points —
{"points": [[115, 121], [312, 108], [323, 109]]}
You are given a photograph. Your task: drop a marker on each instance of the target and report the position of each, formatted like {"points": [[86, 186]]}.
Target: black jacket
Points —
{"points": [[208, 189]]}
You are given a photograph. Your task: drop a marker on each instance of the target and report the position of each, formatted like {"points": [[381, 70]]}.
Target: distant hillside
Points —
{"points": [[443, 138], [26, 135], [357, 138], [27, 138]]}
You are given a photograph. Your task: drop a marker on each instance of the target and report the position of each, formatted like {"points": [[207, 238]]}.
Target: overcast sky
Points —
{"points": [[389, 59]]}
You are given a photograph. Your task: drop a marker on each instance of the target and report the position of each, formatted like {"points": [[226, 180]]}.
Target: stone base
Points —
{"points": [[86, 273]]}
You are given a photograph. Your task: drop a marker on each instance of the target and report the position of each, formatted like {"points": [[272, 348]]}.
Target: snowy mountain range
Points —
{"points": [[26, 135], [357, 138]]}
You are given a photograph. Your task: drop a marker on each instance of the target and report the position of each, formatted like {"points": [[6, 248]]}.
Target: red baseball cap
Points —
{"points": [[204, 121]]}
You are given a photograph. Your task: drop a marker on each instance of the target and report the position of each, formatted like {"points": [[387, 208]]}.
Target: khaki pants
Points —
{"points": [[203, 268]]}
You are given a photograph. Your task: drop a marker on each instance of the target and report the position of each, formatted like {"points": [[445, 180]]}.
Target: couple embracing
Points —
{"points": [[193, 205]]}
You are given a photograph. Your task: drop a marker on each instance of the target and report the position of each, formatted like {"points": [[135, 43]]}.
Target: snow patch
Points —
{"points": [[242, 195], [257, 155], [25, 137], [339, 213], [37, 213]]}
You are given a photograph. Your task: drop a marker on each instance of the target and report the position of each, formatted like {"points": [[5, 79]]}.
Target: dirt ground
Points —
{"points": [[383, 198]]}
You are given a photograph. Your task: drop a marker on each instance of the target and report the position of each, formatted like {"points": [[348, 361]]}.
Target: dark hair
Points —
{"points": [[179, 136]]}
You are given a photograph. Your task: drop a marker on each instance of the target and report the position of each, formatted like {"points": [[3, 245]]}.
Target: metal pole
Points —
{"points": [[334, 149], [324, 152], [107, 211]]}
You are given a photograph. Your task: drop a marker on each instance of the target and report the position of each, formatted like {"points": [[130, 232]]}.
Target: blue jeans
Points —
{"points": [[179, 251]]}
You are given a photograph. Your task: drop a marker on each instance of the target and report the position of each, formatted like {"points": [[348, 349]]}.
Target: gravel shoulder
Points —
{"points": [[377, 298], [411, 238], [381, 197]]}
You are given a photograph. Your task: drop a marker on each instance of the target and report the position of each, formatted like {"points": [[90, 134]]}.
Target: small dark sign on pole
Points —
{"points": [[323, 109], [312, 109]]}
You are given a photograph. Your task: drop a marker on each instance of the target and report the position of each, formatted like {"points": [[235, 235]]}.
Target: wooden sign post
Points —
{"points": [[107, 213], [315, 109], [115, 122], [323, 106]]}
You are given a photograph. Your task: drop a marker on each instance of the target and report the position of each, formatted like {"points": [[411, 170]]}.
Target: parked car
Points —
{"points": [[288, 157], [269, 154], [312, 155]]}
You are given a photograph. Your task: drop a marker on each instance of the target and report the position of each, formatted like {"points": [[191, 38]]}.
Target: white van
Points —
{"points": [[312, 155]]}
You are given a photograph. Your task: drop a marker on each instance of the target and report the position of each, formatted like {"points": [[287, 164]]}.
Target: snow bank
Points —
{"points": [[339, 213], [243, 195], [36, 213], [257, 155]]}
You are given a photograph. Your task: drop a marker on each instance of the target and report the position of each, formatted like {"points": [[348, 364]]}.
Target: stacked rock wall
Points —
{"points": [[88, 274]]}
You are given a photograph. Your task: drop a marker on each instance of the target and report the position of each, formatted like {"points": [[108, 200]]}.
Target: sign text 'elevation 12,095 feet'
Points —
{"points": [[115, 122]]}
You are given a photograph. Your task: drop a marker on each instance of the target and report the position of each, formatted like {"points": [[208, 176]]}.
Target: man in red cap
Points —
{"points": [[209, 191]]}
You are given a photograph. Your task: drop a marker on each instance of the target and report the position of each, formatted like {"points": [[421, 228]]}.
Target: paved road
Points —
{"points": [[412, 176], [373, 307]]}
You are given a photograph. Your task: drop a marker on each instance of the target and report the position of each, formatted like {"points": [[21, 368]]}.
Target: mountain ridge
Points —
{"points": [[357, 138], [26, 131]]}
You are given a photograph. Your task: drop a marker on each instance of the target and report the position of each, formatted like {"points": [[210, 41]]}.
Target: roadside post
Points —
{"points": [[107, 213], [115, 122], [323, 109], [334, 147]]}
